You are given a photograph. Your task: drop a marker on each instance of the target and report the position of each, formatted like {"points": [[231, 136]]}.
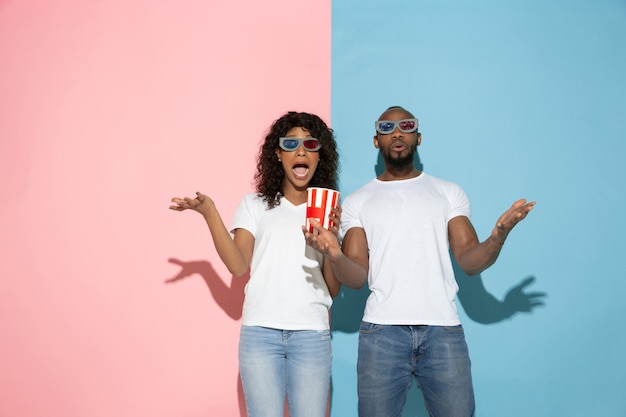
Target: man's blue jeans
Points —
{"points": [[275, 364], [391, 356]]}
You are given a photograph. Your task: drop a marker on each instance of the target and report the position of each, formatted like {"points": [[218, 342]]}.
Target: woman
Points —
{"points": [[285, 346]]}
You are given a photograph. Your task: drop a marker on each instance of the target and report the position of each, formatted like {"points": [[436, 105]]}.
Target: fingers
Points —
{"points": [[523, 209], [182, 204], [315, 223], [523, 206], [187, 202], [335, 214], [317, 226], [519, 203], [201, 197], [323, 239], [518, 211], [178, 204]]}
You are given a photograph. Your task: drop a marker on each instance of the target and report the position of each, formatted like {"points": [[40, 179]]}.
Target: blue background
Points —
{"points": [[516, 99]]}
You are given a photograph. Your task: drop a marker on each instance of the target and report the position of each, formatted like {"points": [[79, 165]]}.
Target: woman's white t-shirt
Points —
{"points": [[286, 288]]}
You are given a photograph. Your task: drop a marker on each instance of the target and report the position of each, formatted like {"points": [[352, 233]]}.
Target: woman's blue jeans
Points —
{"points": [[275, 364], [436, 356]]}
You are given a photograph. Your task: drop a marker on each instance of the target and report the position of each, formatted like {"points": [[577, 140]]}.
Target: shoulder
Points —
{"points": [[355, 198], [253, 199], [364, 190], [252, 203], [441, 183], [435, 180]]}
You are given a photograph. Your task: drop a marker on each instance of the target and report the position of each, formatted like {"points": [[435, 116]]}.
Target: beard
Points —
{"points": [[400, 161]]}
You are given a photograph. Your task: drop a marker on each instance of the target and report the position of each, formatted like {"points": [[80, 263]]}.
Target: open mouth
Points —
{"points": [[398, 146], [300, 171]]}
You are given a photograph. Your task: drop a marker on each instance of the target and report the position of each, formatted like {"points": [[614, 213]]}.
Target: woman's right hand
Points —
{"points": [[201, 203], [335, 218]]}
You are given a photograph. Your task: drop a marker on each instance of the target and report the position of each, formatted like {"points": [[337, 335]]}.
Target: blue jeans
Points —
{"points": [[391, 356], [275, 364]]}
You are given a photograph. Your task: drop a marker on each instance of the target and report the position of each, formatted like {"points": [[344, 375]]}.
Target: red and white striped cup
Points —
{"points": [[319, 204]]}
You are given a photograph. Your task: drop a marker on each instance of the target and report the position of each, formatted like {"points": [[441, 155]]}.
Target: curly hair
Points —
{"points": [[270, 176]]}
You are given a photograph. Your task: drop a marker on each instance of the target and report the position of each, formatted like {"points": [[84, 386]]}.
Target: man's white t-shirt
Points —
{"points": [[286, 288], [406, 225]]}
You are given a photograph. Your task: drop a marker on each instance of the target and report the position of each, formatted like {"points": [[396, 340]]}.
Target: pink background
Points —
{"points": [[107, 110]]}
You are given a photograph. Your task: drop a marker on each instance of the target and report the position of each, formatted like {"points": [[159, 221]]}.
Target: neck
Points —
{"points": [[394, 174], [295, 195]]}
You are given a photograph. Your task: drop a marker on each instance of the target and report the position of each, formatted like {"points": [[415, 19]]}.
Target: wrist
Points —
{"points": [[499, 241], [334, 255]]}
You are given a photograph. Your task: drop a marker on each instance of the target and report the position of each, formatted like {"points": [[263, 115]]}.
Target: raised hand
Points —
{"points": [[201, 203], [507, 221]]}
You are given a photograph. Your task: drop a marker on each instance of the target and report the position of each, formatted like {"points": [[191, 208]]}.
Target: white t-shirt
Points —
{"points": [[286, 288], [406, 225]]}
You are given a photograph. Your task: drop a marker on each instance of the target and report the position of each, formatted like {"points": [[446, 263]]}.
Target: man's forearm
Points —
{"points": [[348, 272], [480, 257]]}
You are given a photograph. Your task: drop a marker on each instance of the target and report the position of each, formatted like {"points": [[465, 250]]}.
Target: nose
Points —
{"points": [[301, 151], [397, 133]]}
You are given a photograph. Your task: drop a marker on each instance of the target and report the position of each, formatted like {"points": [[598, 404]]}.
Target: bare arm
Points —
{"points": [[474, 256], [236, 252], [331, 280], [350, 262]]}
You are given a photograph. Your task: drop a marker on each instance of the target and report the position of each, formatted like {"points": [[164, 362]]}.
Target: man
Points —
{"points": [[398, 230]]}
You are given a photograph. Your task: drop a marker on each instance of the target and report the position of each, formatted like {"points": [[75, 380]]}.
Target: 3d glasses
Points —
{"points": [[405, 125], [291, 144]]}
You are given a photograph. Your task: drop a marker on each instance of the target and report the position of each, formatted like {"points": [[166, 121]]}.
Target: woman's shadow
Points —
{"points": [[229, 298]]}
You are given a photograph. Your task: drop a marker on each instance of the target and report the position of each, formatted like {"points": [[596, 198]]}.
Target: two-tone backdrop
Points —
{"points": [[113, 305]]}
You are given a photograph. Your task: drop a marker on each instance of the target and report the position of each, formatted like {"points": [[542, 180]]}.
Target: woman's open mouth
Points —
{"points": [[300, 171]]}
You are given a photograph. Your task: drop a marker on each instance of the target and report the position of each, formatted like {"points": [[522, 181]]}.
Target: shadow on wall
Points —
{"points": [[230, 299], [479, 305], [482, 307]]}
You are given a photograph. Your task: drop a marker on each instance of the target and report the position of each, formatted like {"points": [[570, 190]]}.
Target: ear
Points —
{"points": [[419, 138], [376, 141]]}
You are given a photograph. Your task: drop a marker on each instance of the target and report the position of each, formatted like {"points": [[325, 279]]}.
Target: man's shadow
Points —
{"points": [[483, 307], [479, 305], [229, 298]]}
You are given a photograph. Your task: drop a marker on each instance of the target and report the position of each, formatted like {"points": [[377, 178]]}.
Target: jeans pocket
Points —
{"points": [[453, 329], [370, 328], [325, 334]]}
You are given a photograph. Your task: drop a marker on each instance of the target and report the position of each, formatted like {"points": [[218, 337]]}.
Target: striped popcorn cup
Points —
{"points": [[319, 204]]}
